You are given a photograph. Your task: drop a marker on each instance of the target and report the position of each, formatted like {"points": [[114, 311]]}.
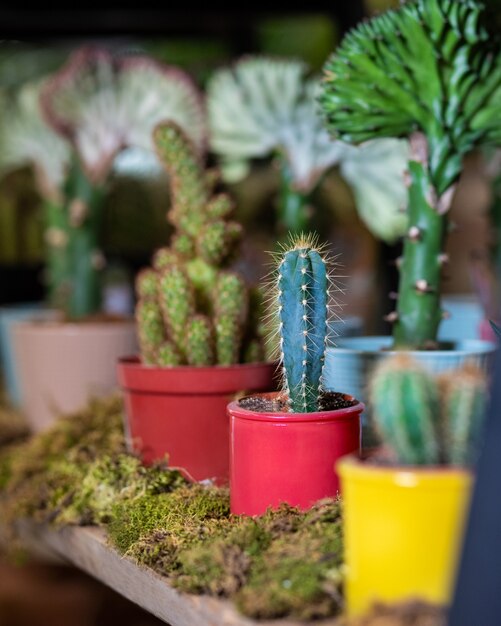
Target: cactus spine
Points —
{"points": [[424, 420], [302, 293], [202, 305], [429, 71]]}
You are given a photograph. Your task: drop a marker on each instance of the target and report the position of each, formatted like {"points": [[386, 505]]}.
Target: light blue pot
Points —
{"points": [[348, 366], [350, 326], [466, 315], [9, 315]]}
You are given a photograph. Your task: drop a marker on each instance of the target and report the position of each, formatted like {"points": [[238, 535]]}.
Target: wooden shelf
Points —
{"points": [[87, 549]]}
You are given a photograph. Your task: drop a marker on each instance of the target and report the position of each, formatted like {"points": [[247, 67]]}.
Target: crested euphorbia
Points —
{"points": [[95, 106], [430, 71]]}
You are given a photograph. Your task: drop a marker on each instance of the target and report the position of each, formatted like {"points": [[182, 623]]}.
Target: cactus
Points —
{"points": [[406, 407], [464, 405], [265, 106], [425, 420], [301, 285], [204, 304], [69, 128], [428, 70]]}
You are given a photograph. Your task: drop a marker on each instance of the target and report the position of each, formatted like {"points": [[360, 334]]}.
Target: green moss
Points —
{"points": [[284, 563], [175, 513], [111, 480]]}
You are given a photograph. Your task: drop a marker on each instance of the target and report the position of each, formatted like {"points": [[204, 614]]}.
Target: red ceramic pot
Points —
{"points": [[288, 457], [181, 412]]}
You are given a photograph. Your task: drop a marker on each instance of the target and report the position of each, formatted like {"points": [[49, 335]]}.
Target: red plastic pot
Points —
{"points": [[288, 457], [181, 412]]}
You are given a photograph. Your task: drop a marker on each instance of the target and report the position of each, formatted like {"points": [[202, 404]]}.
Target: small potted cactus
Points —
{"points": [[69, 128], [284, 445], [429, 71], [198, 326], [405, 505]]}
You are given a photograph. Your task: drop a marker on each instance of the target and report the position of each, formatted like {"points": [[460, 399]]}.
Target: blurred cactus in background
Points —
{"points": [[193, 309], [262, 106], [70, 128], [428, 421], [430, 71]]}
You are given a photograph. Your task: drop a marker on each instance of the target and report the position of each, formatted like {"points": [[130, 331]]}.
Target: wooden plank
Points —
{"points": [[87, 549]]}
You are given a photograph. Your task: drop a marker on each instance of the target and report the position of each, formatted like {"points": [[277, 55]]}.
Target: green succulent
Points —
{"points": [[428, 70]]}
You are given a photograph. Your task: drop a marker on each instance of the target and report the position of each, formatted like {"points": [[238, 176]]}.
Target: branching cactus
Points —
{"points": [[428, 70], [302, 282], [425, 420], [193, 309]]}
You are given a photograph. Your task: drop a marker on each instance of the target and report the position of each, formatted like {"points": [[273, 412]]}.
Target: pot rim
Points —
{"points": [[354, 468], [344, 414], [478, 346], [44, 326], [133, 362]]}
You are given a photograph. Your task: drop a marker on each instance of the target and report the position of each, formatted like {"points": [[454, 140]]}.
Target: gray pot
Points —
{"points": [[348, 366], [10, 315]]}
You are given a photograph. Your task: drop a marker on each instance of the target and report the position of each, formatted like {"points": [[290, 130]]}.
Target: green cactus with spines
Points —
{"points": [[204, 304], [463, 406], [230, 308], [151, 327], [302, 304], [199, 341], [163, 258], [406, 410], [424, 419], [147, 284], [166, 355], [428, 70], [177, 301]]}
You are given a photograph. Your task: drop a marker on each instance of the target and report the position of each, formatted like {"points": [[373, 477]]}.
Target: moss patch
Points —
{"points": [[285, 563]]}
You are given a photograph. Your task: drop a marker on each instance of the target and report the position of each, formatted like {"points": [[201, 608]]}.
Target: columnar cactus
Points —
{"points": [[427, 420], [302, 307], [428, 70], [192, 308]]}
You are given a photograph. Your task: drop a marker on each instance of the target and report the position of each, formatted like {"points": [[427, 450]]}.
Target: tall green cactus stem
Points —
{"points": [[206, 318], [231, 308], [151, 328], [418, 310], [406, 410], [72, 234], [428, 70], [177, 301], [293, 204], [464, 405], [302, 297]]}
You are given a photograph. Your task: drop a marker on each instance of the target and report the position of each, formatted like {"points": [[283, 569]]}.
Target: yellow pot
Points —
{"points": [[403, 531]]}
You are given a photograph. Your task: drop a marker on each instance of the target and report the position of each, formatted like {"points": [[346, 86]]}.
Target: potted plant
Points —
{"points": [[284, 445], [428, 71], [70, 128], [405, 506], [197, 325]]}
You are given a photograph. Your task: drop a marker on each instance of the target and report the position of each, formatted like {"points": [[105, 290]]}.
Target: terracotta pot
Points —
{"points": [[288, 457], [180, 412], [61, 364], [403, 528]]}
